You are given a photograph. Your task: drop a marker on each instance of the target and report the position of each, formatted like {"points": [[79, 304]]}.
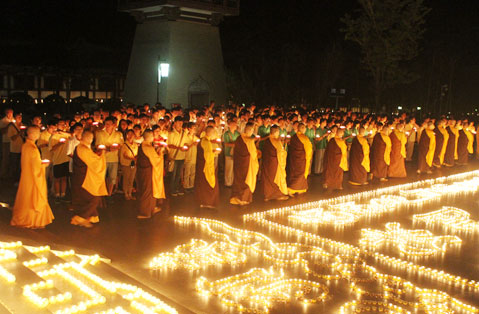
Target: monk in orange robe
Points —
{"points": [[426, 149], [335, 161], [31, 209], [397, 167], [273, 172], [207, 188], [381, 153], [246, 166], [359, 164], [442, 138], [149, 177], [300, 152], [88, 182], [450, 155]]}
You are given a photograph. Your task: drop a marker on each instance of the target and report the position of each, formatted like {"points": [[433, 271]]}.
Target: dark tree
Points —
{"points": [[388, 33]]}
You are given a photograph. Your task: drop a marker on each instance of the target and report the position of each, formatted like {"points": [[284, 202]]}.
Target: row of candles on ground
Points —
{"points": [[77, 275], [395, 189], [259, 288]]}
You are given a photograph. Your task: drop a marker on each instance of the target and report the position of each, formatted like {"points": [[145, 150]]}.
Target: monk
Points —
{"points": [[273, 172], [426, 149], [464, 144], [381, 153], [207, 189], [88, 182], [450, 155], [300, 152], [397, 167], [246, 166], [442, 138], [149, 177], [359, 163], [335, 161], [31, 209]]}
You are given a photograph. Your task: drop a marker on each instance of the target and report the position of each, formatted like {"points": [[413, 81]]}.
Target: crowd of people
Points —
{"points": [[150, 153]]}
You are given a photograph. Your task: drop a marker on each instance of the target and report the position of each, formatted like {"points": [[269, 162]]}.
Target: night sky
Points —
{"points": [[302, 37]]}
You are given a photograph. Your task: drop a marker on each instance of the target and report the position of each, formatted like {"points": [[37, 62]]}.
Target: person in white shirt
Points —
{"points": [[177, 139], [190, 158], [73, 142], [4, 122]]}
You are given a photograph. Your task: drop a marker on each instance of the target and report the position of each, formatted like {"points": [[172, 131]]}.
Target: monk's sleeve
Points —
{"points": [[155, 158], [92, 160]]}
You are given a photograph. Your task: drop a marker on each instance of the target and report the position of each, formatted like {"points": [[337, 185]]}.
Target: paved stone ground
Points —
{"points": [[131, 243]]}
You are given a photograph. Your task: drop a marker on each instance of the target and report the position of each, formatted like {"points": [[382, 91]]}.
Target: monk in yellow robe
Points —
{"points": [[359, 164], [88, 182], [464, 144], [426, 149], [397, 166], [246, 166], [273, 172], [442, 138], [381, 153], [149, 177], [31, 209], [207, 189], [300, 152], [450, 156], [335, 161]]}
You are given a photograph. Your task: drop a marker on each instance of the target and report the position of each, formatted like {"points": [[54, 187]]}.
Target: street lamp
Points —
{"points": [[163, 71]]}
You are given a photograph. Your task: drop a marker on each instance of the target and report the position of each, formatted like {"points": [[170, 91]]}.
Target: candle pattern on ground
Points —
{"points": [[69, 284], [450, 219], [312, 267], [411, 243], [199, 254]]}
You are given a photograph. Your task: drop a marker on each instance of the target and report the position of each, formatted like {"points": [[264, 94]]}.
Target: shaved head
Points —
{"points": [[33, 132]]}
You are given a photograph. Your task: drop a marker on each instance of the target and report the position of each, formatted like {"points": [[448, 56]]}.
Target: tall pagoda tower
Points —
{"points": [[176, 56]]}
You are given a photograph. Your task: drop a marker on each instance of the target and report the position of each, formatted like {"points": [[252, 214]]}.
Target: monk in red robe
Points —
{"points": [[335, 161], [450, 155], [31, 209], [246, 166], [359, 164], [88, 182], [442, 138], [426, 149], [381, 153], [300, 152], [397, 167], [273, 172], [207, 189], [149, 177]]}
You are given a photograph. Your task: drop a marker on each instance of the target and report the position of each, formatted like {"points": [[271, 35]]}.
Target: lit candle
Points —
{"points": [[45, 161], [101, 146]]}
